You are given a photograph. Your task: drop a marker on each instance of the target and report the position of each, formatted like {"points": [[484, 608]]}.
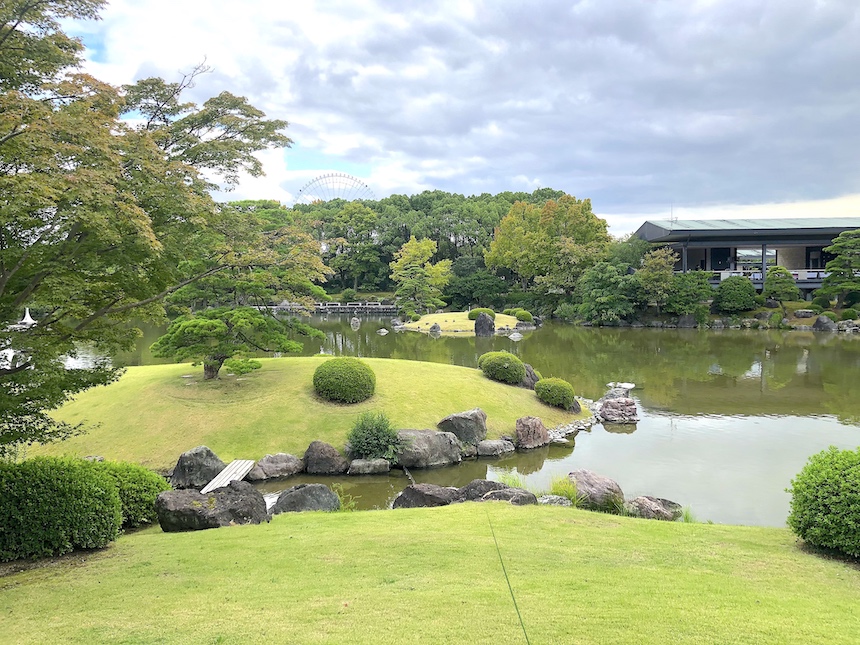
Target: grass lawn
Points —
{"points": [[457, 322], [152, 413], [433, 576]]}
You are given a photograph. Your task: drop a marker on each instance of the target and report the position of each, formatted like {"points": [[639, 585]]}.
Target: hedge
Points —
{"points": [[503, 367], [474, 313], [344, 380], [138, 487], [556, 392], [524, 316]]}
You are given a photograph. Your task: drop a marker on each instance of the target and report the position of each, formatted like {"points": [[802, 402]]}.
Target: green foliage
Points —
{"points": [[348, 502], [779, 285], [775, 320], [735, 294], [851, 298], [655, 276], [822, 301], [825, 501], [51, 506], [474, 313], [512, 479], [688, 292], [419, 281], [760, 300], [849, 314], [566, 311], [344, 380], [503, 367], [373, 437], [816, 308], [556, 392], [240, 366], [138, 487], [415, 317], [524, 316], [564, 486], [830, 314], [604, 294], [348, 295], [844, 269]]}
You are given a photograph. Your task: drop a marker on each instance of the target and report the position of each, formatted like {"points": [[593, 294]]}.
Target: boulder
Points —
{"points": [[530, 378], [770, 303], [188, 510], [382, 332], [368, 466], [427, 449], [717, 324], [495, 447], [516, 496], [622, 410], [196, 468], [554, 500], [468, 451], [687, 321], [275, 467], [596, 491], [435, 329], [824, 324], [424, 495], [324, 459], [531, 433], [306, 497], [484, 326], [476, 489], [524, 326], [468, 427], [654, 508], [804, 313]]}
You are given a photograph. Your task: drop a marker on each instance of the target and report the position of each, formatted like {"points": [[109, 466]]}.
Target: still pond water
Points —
{"points": [[727, 417]]}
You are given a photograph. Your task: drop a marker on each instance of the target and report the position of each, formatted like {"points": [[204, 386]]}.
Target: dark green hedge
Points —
{"points": [[556, 392], [138, 487], [50, 506], [822, 301], [524, 316], [503, 367], [344, 380], [473, 315]]}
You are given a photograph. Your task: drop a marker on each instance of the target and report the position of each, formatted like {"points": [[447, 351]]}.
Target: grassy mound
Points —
{"points": [[153, 413], [457, 323], [433, 576]]}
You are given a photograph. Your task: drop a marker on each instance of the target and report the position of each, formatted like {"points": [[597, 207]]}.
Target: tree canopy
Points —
{"points": [[844, 269]]}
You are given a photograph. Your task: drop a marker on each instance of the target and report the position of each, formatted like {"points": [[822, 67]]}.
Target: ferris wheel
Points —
{"points": [[334, 185]]}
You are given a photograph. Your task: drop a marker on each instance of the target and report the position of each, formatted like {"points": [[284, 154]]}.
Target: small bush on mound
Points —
{"points": [[830, 314], [556, 392], [760, 300], [525, 316], [373, 437], [816, 308], [344, 380], [50, 506], [735, 293], [473, 315], [822, 301], [415, 317], [138, 487], [348, 295], [849, 314], [825, 501], [509, 312], [503, 367], [775, 320]]}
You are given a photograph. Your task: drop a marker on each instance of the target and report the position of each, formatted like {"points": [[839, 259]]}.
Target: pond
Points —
{"points": [[727, 417]]}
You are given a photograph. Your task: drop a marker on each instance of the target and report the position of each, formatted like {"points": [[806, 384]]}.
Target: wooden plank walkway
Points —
{"points": [[236, 469]]}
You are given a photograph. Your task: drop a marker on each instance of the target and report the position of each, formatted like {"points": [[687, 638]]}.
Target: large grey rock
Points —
{"points": [[424, 495], [770, 303], [619, 411], [275, 467], [435, 328], [516, 496], [495, 447], [687, 321], [427, 449], [324, 459], [530, 378], [484, 326], [196, 468], [369, 466], [596, 491], [469, 426], [804, 313], [476, 489], [531, 433], [306, 497], [188, 510], [654, 508], [824, 324]]}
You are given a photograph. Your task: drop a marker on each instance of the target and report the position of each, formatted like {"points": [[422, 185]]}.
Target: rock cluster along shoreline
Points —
{"points": [[822, 323]]}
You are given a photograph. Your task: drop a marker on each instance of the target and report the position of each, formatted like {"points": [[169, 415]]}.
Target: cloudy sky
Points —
{"points": [[698, 108]]}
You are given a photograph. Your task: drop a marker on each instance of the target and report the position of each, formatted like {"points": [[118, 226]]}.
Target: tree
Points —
{"points": [[844, 269], [735, 293], [100, 218], [779, 285], [419, 282], [655, 275], [603, 294], [688, 293]]}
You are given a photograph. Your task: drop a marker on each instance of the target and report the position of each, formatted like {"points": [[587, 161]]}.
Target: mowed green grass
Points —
{"points": [[152, 414], [457, 322], [433, 576]]}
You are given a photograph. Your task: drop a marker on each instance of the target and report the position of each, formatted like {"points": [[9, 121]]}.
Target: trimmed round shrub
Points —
{"points": [[415, 317], [775, 320], [524, 316], [344, 380], [138, 487], [50, 506], [373, 437], [830, 314], [509, 312], [816, 308], [822, 301], [348, 295], [556, 392], [849, 314], [503, 367], [473, 315], [760, 300], [851, 298], [825, 501], [735, 293]]}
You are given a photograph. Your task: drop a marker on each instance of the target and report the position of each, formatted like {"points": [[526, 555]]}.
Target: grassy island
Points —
{"points": [[154, 413], [457, 323]]}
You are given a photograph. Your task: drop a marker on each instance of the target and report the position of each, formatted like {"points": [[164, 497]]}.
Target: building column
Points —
{"points": [[763, 262], [684, 258]]}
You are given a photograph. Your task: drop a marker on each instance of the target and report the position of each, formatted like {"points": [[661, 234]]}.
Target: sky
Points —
{"points": [[652, 109]]}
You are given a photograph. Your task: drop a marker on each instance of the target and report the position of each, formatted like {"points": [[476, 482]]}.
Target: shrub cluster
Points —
{"points": [[822, 301], [849, 314], [851, 298], [524, 316], [775, 320], [373, 437], [830, 314], [825, 501], [344, 380], [556, 392], [816, 308], [415, 317], [474, 313], [503, 367], [138, 487], [348, 295], [735, 293], [50, 506]]}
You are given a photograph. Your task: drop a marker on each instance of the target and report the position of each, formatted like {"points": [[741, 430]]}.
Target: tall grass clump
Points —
{"points": [[564, 486], [512, 479], [373, 437]]}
